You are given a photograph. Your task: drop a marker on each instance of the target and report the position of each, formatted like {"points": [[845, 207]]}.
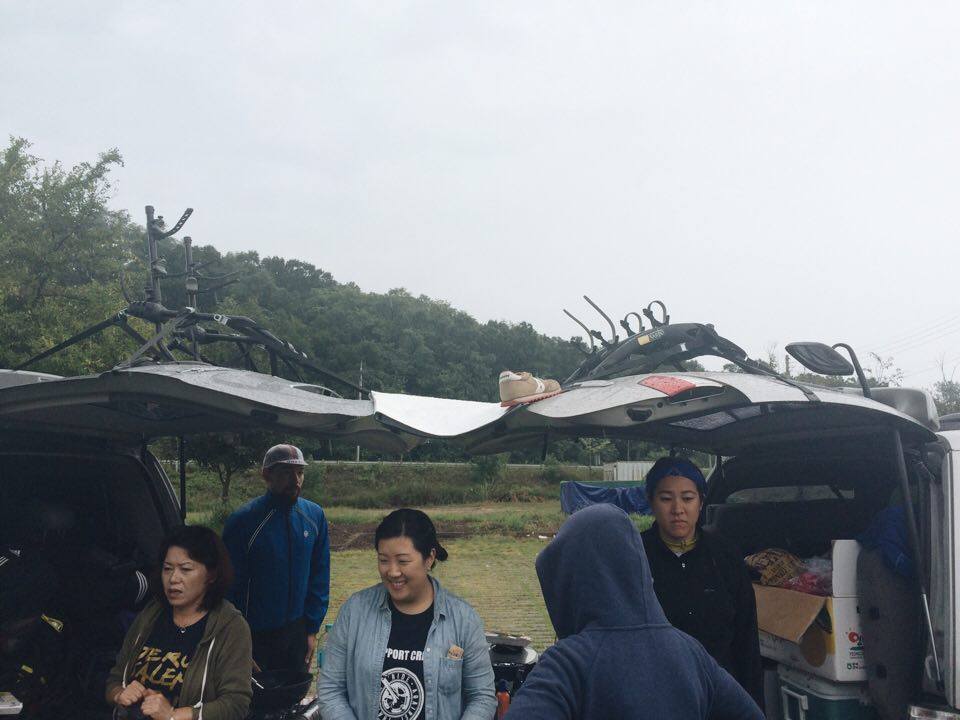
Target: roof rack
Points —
{"points": [[644, 351], [186, 330]]}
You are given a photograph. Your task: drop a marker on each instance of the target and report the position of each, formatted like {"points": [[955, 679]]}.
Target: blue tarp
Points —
{"points": [[576, 496]]}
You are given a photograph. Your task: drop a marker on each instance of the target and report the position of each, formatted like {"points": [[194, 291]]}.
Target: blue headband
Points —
{"points": [[675, 466]]}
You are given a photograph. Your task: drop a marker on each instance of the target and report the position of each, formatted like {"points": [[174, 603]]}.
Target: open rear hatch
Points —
{"points": [[722, 413], [716, 412], [182, 399]]}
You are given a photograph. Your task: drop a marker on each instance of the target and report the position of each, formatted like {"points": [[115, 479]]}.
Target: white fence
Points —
{"points": [[626, 471]]}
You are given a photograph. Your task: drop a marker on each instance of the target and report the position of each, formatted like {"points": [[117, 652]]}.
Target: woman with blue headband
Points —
{"points": [[699, 578]]}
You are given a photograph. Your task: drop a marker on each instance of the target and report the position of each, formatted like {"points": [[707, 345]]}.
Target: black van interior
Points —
{"points": [[79, 537]]}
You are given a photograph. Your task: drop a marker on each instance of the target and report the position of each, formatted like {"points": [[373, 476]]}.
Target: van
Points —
{"points": [[84, 507], [799, 467]]}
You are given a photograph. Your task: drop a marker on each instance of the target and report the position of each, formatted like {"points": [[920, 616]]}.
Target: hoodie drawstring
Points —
{"points": [[203, 683]]}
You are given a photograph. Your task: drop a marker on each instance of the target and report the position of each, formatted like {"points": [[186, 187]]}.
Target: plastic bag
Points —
{"points": [[816, 578], [779, 568]]}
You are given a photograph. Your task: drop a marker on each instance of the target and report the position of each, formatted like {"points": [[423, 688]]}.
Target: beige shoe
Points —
{"points": [[519, 388]]}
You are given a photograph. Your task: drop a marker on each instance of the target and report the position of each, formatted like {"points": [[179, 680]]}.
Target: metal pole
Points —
{"points": [[187, 267], [182, 464], [153, 291], [358, 397], [192, 288], [914, 537]]}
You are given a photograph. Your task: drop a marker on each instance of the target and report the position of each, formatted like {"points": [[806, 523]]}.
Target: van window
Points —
{"points": [[82, 500], [788, 494]]}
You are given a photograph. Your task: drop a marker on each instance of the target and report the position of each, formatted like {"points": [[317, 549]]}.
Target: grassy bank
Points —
{"points": [[383, 486]]}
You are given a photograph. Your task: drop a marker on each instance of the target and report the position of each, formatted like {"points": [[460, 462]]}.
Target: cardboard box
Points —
{"points": [[820, 635], [845, 554]]}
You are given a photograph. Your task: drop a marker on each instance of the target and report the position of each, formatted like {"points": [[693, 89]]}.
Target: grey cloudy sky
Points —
{"points": [[784, 170]]}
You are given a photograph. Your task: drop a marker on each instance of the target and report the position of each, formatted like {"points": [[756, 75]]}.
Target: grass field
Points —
{"points": [[494, 574], [492, 550], [492, 530], [491, 563]]}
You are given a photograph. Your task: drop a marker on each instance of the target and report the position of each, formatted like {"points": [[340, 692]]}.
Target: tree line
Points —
{"points": [[64, 252]]}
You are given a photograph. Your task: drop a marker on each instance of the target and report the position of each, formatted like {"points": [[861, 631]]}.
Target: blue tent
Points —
{"points": [[576, 496]]}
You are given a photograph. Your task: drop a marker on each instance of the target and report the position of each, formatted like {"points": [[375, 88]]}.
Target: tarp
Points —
{"points": [[576, 496]]}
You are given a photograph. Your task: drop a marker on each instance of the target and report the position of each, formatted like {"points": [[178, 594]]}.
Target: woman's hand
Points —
{"points": [[132, 693], [156, 706]]}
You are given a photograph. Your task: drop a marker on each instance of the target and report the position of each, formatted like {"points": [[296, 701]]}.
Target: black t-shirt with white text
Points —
{"points": [[401, 683], [166, 654]]}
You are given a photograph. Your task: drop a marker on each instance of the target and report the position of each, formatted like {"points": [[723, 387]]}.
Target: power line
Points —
{"points": [[943, 363], [923, 341], [917, 333], [933, 322]]}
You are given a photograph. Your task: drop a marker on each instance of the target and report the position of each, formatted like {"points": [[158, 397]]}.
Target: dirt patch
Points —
{"points": [[359, 536]]}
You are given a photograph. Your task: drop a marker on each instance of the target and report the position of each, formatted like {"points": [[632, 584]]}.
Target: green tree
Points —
{"points": [[228, 454], [946, 393], [63, 250], [61, 253]]}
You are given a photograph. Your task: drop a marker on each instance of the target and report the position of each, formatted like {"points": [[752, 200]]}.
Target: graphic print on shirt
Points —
{"points": [[160, 669], [165, 656], [401, 679], [401, 692]]}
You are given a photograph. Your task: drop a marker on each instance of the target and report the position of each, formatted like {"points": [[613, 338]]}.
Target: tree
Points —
{"points": [[227, 454], [61, 252], [595, 449], [946, 392]]}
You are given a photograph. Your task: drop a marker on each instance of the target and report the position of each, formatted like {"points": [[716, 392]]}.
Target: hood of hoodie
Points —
{"points": [[218, 617], [595, 573]]}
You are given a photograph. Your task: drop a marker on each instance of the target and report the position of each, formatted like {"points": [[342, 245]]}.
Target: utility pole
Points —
{"points": [[358, 398]]}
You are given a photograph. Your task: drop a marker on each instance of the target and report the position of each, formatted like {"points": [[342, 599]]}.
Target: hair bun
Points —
{"points": [[441, 552]]}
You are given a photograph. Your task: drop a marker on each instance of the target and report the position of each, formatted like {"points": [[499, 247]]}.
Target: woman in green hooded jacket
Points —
{"points": [[187, 655]]}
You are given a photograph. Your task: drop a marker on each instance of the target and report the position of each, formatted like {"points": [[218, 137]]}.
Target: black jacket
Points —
{"points": [[707, 593]]}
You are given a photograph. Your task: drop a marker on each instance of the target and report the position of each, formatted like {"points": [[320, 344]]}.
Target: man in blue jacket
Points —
{"points": [[280, 550], [616, 655]]}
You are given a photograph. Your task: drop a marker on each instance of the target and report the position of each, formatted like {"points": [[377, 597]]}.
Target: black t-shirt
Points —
{"points": [[401, 684], [166, 654]]}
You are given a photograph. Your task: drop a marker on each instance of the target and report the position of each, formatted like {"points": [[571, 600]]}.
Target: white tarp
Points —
{"points": [[437, 417]]}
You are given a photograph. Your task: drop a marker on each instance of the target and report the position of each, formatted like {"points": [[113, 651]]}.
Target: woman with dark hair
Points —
{"points": [[187, 654], [700, 578], [406, 649]]}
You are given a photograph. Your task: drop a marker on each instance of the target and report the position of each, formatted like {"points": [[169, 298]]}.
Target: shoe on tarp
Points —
{"points": [[520, 388]]}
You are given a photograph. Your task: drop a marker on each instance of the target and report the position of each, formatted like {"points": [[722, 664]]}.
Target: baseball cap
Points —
{"points": [[283, 455]]}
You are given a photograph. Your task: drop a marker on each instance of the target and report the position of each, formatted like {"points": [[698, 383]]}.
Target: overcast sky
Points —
{"points": [[785, 171]]}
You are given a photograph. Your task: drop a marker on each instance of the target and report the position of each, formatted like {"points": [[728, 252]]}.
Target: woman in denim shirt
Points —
{"points": [[406, 649]]}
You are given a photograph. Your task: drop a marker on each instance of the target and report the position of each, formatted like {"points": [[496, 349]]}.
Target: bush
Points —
{"points": [[313, 479], [218, 516], [487, 469], [553, 470]]}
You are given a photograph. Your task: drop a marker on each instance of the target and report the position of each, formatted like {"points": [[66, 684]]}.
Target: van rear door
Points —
{"points": [[181, 399]]}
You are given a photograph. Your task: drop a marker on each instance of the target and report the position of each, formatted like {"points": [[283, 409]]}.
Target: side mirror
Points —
{"points": [[820, 358]]}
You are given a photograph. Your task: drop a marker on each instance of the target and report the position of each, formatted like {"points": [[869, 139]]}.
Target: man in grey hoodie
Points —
{"points": [[616, 655]]}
